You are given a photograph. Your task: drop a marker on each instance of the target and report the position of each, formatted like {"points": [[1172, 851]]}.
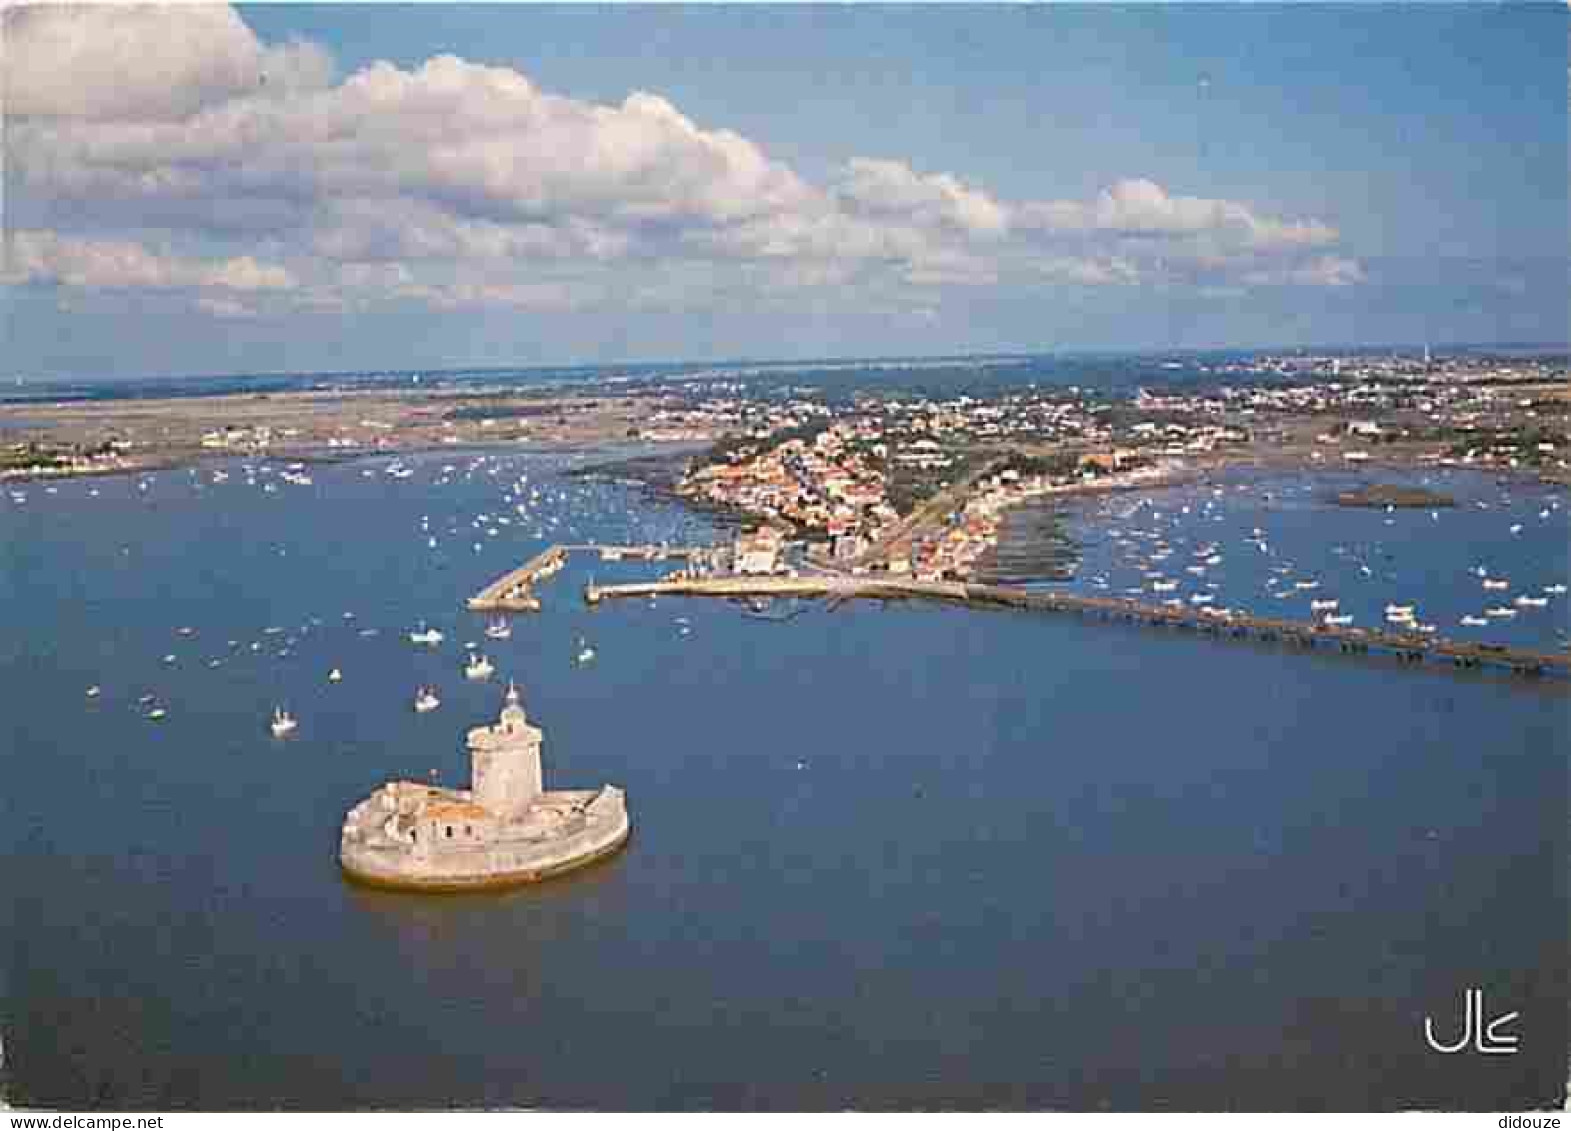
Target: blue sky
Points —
{"points": [[598, 184]]}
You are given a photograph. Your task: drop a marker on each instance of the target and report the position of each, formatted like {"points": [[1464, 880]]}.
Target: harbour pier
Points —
{"points": [[1411, 648], [512, 591]]}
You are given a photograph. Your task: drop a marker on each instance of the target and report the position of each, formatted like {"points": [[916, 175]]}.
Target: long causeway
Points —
{"points": [[1420, 650]]}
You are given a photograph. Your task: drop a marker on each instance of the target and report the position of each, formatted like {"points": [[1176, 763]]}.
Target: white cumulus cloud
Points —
{"points": [[138, 134], [49, 257], [144, 62]]}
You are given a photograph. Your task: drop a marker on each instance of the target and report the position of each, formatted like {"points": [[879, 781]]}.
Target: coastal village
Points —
{"points": [[849, 483], [899, 484]]}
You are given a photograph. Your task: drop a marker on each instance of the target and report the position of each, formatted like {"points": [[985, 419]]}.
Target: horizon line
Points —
{"points": [[979, 355]]}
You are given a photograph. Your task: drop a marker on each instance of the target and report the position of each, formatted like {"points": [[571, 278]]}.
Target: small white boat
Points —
{"points": [[1496, 583], [1339, 621], [426, 700], [1500, 612], [1163, 586], [479, 667], [1325, 606], [1555, 589], [157, 713], [499, 629], [1306, 585], [283, 722], [93, 691], [1470, 621], [424, 635], [585, 654], [334, 676], [1526, 602], [1402, 611]]}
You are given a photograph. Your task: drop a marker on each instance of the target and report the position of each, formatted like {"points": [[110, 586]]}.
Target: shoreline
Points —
{"points": [[140, 436]]}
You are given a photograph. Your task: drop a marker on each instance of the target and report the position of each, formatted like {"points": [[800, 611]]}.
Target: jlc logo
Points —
{"points": [[1483, 1036]]}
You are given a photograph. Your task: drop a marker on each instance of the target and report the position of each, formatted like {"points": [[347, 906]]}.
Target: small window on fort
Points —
{"points": [[469, 830], [449, 830]]}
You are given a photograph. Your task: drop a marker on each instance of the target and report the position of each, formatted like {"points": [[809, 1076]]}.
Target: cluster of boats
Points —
{"points": [[1148, 537], [477, 666], [527, 506]]}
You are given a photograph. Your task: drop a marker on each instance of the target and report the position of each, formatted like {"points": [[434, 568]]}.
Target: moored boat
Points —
{"points": [[499, 629]]}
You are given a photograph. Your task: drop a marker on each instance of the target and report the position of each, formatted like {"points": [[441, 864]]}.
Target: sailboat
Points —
{"points": [[499, 629], [283, 722], [426, 635]]}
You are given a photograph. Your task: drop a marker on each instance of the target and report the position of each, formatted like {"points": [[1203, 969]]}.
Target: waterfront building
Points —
{"points": [[758, 552]]}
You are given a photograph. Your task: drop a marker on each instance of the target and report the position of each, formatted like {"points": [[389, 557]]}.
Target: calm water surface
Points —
{"points": [[884, 857]]}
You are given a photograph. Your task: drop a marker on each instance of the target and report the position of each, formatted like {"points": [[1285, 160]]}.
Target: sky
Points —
{"points": [[283, 187]]}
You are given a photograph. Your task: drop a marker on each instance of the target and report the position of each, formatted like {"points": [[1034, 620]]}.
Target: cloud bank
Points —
{"points": [[167, 148]]}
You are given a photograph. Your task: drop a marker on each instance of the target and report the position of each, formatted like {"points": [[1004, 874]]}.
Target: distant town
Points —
{"points": [[919, 486], [891, 482]]}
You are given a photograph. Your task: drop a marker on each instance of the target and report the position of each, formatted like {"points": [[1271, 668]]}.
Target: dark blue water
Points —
{"points": [[883, 857], [1308, 548]]}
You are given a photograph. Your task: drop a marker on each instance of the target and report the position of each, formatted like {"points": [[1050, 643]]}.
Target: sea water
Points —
{"points": [[885, 856]]}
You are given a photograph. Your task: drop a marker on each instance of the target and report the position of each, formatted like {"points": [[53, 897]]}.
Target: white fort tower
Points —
{"points": [[505, 829], [504, 762]]}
